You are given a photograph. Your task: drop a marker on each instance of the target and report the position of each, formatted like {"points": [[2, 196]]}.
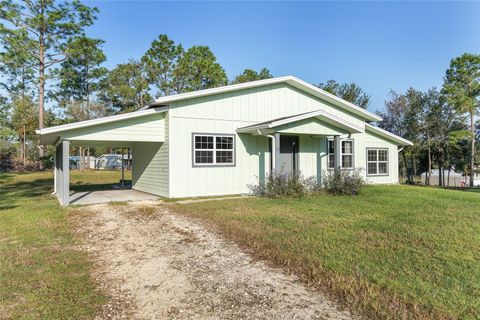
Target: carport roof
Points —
{"points": [[51, 135]]}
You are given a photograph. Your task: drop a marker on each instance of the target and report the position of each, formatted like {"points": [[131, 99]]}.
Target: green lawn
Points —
{"points": [[392, 252], [42, 273]]}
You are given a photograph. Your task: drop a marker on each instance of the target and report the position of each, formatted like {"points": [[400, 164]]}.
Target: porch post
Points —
{"points": [[276, 147], [62, 168], [337, 146]]}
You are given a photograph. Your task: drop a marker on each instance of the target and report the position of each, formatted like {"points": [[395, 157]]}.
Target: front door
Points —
{"points": [[288, 154]]}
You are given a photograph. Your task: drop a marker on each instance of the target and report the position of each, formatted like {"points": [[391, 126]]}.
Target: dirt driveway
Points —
{"points": [[160, 265]]}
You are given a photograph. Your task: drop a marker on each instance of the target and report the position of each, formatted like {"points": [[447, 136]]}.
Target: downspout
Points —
{"points": [[273, 150]]}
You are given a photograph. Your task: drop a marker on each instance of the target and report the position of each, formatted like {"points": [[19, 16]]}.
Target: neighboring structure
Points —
{"points": [[75, 162], [452, 178], [219, 141], [113, 161]]}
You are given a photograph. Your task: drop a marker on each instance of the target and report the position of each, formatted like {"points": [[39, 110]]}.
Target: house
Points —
{"points": [[89, 162], [219, 141], [113, 161]]}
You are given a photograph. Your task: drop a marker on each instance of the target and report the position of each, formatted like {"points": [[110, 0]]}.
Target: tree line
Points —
{"points": [[442, 124], [47, 58]]}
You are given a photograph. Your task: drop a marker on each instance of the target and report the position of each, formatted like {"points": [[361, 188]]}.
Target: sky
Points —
{"points": [[381, 46]]}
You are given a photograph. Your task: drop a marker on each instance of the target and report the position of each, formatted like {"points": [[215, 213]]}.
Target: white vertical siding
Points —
{"points": [[374, 141], [150, 172], [225, 113], [149, 128], [256, 105], [252, 160], [312, 156]]}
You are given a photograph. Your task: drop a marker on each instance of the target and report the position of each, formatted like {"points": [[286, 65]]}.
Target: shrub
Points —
{"points": [[295, 185], [290, 185], [340, 182]]}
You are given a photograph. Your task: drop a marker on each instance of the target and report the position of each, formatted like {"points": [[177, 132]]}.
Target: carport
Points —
{"points": [[126, 130]]}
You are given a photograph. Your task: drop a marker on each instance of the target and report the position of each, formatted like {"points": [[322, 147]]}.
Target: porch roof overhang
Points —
{"points": [[117, 130], [388, 135], [324, 117]]}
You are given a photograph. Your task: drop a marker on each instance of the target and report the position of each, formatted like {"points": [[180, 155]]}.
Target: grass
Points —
{"points": [[393, 252], [43, 275], [96, 180]]}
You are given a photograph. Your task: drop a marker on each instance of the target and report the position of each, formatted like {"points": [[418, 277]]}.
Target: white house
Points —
{"points": [[219, 141]]}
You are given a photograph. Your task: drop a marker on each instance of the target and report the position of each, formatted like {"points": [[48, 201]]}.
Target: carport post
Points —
{"points": [[62, 168], [123, 168]]}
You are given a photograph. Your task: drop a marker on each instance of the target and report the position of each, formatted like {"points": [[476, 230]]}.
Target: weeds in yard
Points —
{"points": [[392, 252], [43, 274], [279, 184], [343, 182]]}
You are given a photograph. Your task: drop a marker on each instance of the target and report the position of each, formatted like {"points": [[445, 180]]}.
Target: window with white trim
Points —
{"points": [[377, 161], [212, 149], [346, 154]]}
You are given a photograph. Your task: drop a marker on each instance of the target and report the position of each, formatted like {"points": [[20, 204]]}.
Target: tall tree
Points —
{"points": [[79, 76], [462, 89], [18, 71], [160, 62], [126, 87], [38, 32], [24, 121], [198, 69], [350, 92], [251, 75], [5, 120]]}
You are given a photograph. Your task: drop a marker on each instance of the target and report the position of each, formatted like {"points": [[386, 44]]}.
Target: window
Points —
{"points": [[210, 149], [377, 161], [346, 154]]}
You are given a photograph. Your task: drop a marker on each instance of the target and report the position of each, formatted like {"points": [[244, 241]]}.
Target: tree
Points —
{"points": [[198, 69], [37, 31], [126, 87], [6, 131], [24, 121], [79, 78], [350, 92], [251, 75], [160, 63], [403, 117], [462, 89]]}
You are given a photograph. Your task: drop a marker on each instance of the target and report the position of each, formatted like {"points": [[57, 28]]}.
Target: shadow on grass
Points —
{"points": [[464, 189], [83, 187], [13, 192]]}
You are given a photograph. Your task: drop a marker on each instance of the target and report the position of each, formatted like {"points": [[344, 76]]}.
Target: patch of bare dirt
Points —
{"points": [[159, 265]]}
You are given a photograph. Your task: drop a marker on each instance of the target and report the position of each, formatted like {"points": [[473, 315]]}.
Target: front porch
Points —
{"points": [[291, 140]]}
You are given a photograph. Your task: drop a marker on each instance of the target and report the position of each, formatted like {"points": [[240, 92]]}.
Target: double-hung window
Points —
{"points": [[213, 150], [346, 152], [377, 161]]}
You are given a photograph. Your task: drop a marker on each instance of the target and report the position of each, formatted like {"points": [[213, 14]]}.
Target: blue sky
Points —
{"points": [[379, 45]]}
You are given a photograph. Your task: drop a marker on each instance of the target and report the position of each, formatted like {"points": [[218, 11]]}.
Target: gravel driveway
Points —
{"points": [[156, 264]]}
